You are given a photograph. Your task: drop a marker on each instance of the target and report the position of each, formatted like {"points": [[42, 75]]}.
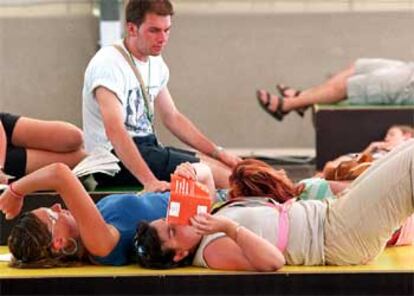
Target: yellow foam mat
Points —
{"points": [[393, 260]]}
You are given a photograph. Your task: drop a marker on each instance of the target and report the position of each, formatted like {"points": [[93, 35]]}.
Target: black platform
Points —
{"points": [[386, 278], [236, 284], [342, 129]]}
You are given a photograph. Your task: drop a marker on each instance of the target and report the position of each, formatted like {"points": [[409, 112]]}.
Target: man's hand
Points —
{"points": [[157, 186], [10, 204], [228, 158]]}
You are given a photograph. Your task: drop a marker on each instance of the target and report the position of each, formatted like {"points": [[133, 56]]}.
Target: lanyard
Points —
{"points": [[128, 57]]}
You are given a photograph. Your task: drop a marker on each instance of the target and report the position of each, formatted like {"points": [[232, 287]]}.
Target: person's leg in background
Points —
{"points": [[47, 142], [331, 91]]}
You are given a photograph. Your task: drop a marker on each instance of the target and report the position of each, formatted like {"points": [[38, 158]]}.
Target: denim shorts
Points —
{"points": [[16, 157]]}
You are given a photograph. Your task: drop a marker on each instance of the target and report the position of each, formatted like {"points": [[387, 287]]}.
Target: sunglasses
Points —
{"points": [[53, 217], [73, 246]]}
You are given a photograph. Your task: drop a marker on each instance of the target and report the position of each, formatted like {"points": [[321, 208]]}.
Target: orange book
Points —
{"points": [[187, 199]]}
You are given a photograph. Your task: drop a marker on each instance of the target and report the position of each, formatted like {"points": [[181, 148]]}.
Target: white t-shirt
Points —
{"points": [[108, 68]]}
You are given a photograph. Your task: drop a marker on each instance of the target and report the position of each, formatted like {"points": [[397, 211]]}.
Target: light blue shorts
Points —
{"points": [[381, 82]]}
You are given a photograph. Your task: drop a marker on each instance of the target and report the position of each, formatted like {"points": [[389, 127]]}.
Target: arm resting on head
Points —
{"points": [[98, 237]]}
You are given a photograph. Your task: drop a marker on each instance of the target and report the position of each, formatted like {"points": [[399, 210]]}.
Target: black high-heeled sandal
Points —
{"points": [[282, 91], [278, 114]]}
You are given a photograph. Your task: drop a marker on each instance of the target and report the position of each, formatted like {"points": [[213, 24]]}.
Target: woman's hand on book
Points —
{"points": [[207, 224], [186, 170]]}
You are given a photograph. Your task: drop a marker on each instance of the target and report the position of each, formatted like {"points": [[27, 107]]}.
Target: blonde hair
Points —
{"points": [[406, 129]]}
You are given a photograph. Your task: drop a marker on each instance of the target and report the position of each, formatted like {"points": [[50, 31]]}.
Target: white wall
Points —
{"points": [[216, 62]]}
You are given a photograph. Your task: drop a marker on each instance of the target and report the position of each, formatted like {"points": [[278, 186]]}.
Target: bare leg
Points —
{"points": [[48, 142], [221, 172], [55, 136], [37, 159], [331, 91]]}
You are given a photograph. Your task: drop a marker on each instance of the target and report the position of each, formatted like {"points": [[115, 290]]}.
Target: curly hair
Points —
{"points": [[136, 10], [253, 177]]}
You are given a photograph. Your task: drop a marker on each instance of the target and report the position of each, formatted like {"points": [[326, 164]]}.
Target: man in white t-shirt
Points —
{"points": [[117, 116]]}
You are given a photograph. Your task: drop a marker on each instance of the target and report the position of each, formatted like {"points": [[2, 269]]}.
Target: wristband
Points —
{"points": [[14, 192], [216, 152]]}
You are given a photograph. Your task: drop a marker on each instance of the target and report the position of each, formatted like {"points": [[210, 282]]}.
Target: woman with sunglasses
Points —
{"points": [[102, 233], [259, 235]]}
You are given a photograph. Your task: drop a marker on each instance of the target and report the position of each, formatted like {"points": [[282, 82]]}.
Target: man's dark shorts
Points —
{"points": [[161, 160], [16, 157]]}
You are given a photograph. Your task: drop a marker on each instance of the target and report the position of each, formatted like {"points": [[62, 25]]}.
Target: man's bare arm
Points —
{"points": [[123, 144]]}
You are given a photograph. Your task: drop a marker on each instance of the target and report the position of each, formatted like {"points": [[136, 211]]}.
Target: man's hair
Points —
{"points": [[253, 177], [30, 244], [136, 10], [148, 248]]}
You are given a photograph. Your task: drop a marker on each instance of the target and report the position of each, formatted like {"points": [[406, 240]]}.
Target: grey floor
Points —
{"points": [[297, 168], [298, 172]]}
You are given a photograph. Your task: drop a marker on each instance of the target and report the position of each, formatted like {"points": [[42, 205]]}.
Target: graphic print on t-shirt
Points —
{"points": [[136, 119]]}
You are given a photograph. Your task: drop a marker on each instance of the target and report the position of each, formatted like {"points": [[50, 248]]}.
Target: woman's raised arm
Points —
{"points": [[98, 237]]}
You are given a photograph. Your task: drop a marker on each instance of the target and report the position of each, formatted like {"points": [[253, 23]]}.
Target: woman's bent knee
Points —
{"points": [[73, 139]]}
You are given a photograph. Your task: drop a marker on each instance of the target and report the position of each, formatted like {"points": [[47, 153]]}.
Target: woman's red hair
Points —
{"points": [[253, 177]]}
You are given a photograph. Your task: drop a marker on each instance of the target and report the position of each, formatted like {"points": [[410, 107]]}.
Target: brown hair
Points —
{"points": [[136, 10], [29, 242], [149, 251], [253, 177]]}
